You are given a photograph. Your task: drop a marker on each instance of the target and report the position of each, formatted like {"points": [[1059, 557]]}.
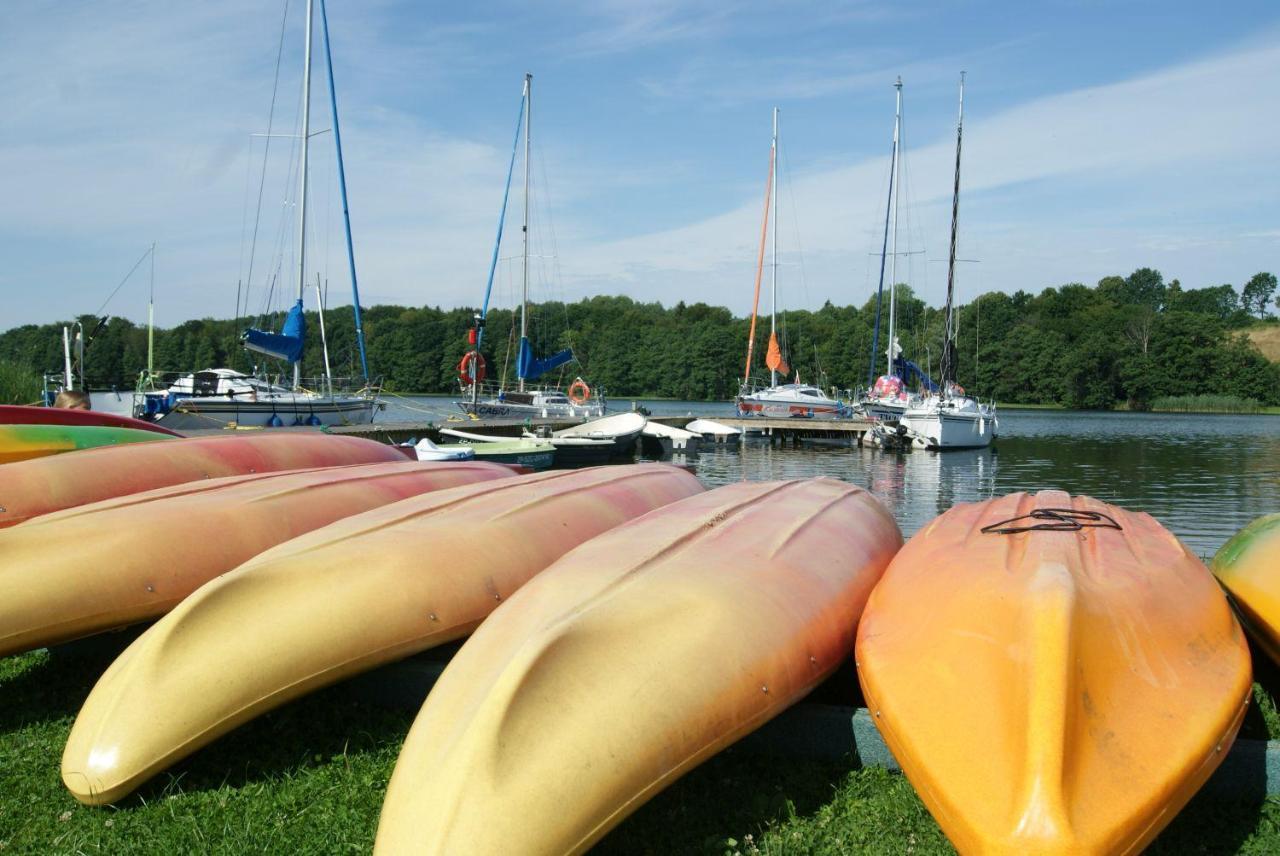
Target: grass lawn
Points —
{"points": [[310, 778]]}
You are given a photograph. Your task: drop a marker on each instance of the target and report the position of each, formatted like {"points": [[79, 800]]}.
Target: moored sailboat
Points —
{"points": [[495, 401], [787, 399], [951, 419]]}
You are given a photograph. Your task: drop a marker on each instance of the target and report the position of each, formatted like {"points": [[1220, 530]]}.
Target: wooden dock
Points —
{"points": [[782, 432]]}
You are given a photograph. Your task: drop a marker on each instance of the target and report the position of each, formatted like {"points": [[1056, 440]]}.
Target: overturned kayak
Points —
{"points": [[125, 560], [1248, 566], [630, 661], [1054, 674], [365, 591], [24, 442], [22, 414], [31, 488]]}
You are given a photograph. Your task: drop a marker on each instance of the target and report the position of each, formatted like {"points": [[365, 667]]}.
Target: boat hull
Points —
{"points": [[41, 486], [943, 430], [25, 442], [1052, 691], [297, 617], [630, 661], [130, 559], [755, 406], [1248, 566], [510, 410], [18, 414], [194, 413]]}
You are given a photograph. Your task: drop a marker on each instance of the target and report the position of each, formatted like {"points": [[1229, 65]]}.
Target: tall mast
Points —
{"points": [[302, 176], [773, 275], [948, 364], [524, 290], [342, 187], [884, 247], [893, 262], [151, 319], [755, 301]]}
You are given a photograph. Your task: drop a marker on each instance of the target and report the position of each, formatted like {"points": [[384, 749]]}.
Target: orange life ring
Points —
{"points": [[471, 361], [579, 392]]}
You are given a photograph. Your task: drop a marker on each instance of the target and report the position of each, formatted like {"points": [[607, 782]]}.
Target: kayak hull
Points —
{"points": [[1248, 566], [22, 414], [630, 661], [125, 560], [25, 442], [365, 591], [44, 485], [1052, 691]]}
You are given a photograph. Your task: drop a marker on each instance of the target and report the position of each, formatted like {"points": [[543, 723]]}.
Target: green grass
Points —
{"points": [[310, 778], [1206, 404], [19, 383]]}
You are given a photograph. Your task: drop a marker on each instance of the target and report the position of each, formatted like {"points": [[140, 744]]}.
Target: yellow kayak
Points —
{"points": [[1248, 566], [24, 442], [116, 562], [630, 661], [367, 590], [1054, 674]]}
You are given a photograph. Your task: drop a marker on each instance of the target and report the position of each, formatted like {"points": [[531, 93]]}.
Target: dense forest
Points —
{"points": [[1124, 342]]}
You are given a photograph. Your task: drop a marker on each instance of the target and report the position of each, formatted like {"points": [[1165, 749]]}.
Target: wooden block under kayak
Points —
{"points": [[630, 661], [1055, 690], [362, 592], [31, 488], [113, 563], [1248, 566]]}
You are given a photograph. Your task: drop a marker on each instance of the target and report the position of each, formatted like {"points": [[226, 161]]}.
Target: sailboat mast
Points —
{"points": [[893, 263], [948, 364], [151, 319], [884, 248], [773, 274], [302, 176], [524, 289]]}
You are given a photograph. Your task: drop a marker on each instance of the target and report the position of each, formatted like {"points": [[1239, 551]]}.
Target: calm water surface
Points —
{"points": [[1202, 476]]}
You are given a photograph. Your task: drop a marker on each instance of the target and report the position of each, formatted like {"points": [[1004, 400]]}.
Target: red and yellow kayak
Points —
{"points": [[21, 414], [1248, 566], [630, 661], [1052, 690], [120, 561], [31, 488], [24, 442], [367, 590]]}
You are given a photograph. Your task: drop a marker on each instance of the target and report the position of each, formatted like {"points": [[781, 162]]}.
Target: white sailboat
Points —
{"points": [[951, 419], [215, 398], [495, 401], [787, 399], [888, 398]]}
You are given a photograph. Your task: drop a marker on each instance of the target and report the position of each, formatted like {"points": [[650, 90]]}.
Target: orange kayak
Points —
{"points": [[1248, 566], [120, 561], [367, 590], [1053, 690], [630, 661], [30, 488]]}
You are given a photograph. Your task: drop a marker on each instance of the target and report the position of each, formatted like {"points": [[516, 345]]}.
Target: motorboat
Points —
{"points": [[217, 398], [787, 400]]}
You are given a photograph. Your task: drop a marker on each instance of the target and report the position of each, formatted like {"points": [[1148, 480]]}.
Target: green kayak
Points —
{"points": [[21, 442], [534, 454]]}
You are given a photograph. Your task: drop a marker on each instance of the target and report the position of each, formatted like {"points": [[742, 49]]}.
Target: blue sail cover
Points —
{"points": [[528, 366], [907, 370], [285, 345]]}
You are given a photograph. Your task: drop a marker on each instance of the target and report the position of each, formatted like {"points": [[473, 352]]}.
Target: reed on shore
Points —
{"points": [[19, 383], [1206, 404]]}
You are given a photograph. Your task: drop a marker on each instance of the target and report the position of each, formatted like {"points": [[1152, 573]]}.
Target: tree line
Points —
{"points": [[1125, 341]]}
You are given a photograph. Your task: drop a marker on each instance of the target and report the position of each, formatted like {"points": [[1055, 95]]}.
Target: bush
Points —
{"points": [[19, 383]]}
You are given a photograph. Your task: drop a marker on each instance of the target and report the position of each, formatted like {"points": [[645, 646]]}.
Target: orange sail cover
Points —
{"points": [[774, 359]]}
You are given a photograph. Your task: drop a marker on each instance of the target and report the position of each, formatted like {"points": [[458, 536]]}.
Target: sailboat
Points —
{"points": [[214, 398], [786, 399], [888, 398], [951, 419], [495, 401]]}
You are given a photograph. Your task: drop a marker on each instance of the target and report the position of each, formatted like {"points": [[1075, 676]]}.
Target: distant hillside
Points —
{"points": [[1267, 340]]}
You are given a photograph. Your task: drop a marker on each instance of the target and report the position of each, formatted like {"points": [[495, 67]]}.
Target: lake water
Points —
{"points": [[1202, 476]]}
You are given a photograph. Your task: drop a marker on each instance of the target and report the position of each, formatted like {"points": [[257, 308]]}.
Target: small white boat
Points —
{"points": [[711, 429], [951, 422], [787, 400], [659, 439], [612, 437], [428, 451]]}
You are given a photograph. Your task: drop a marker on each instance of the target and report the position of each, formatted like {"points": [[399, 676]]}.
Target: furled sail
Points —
{"points": [[529, 366], [285, 345], [774, 359]]}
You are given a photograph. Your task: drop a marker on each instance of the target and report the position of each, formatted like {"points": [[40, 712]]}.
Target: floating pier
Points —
{"points": [[792, 431]]}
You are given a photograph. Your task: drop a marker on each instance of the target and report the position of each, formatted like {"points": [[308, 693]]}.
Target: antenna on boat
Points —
{"points": [[948, 344], [524, 289], [302, 177]]}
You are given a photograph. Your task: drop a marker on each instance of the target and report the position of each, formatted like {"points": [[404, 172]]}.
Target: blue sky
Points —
{"points": [[1099, 137]]}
